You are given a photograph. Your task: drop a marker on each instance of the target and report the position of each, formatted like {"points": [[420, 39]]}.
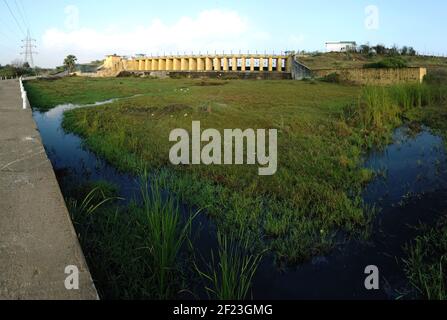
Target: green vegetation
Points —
{"points": [[231, 276], [16, 69], [434, 115], [358, 60], [426, 261], [165, 235], [388, 63], [324, 131], [70, 62], [316, 192], [426, 264], [46, 94], [332, 78], [319, 171], [133, 252], [142, 251]]}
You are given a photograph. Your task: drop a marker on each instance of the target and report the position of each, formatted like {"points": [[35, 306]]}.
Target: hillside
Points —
{"points": [[356, 60]]}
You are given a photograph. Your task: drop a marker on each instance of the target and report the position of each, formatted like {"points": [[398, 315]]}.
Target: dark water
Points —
{"points": [[413, 189], [71, 161]]}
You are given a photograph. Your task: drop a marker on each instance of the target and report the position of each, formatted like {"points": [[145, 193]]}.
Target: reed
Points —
{"points": [[230, 276]]}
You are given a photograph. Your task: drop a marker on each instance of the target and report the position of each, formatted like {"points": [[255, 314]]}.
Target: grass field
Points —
{"points": [[49, 93], [356, 60], [315, 192], [325, 130]]}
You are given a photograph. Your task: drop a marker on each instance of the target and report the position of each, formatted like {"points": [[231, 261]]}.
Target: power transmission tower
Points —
{"points": [[29, 49]]}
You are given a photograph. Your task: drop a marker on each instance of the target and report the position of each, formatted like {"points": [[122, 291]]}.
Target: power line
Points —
{"points": [[24, 10], [15, 19], [11, 30], [25, 23], [24, 13]]}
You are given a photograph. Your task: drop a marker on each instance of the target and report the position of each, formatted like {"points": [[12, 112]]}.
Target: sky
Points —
{"points": [[91, 29]]}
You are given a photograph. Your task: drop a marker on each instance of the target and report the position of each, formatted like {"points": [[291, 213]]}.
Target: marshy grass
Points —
{"points": [[133, 251], [380, 106], [316, 193], [426, 262], [166, 233], [380, 109], [319, 170], [377, 109], [229, 276]]}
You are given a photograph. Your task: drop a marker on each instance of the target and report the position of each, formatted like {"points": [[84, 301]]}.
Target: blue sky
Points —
{"points": [[90, 29]]}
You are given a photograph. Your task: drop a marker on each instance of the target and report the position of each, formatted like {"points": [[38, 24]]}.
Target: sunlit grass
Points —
{"points": [[324, 129]]}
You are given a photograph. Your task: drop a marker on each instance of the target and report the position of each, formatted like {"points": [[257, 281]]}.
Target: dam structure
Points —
{"points": [[279, 66], [249, 66]]}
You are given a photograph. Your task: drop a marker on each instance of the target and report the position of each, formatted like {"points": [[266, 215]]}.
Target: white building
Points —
{"points": [[340, 46]]}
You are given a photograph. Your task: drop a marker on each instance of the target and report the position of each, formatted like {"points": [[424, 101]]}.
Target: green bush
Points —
{"points": [[388, 63], [332, 78], [13, 71]]}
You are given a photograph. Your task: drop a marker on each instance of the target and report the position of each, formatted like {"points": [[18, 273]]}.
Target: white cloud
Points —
{"points": [[208, 31]]}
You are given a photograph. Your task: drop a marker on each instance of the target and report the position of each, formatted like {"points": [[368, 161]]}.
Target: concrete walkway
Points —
{"points": [[37, 238]]}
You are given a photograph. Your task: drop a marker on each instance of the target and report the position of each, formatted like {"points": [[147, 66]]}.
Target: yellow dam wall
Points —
{"points": [[198, 63]]}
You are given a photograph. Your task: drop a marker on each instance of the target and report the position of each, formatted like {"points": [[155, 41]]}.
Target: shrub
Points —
{"points": [[332, 78], [388, 63]]}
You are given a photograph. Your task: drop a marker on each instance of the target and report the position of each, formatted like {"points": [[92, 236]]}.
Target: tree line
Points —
{"points": [[16, 69], [380, 49]]}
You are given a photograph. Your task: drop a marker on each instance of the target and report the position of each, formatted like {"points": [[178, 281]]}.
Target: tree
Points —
{"points": [[70, 63], [393, 51], [404, 51], [380, 49], [411, 51], [365, 49]]}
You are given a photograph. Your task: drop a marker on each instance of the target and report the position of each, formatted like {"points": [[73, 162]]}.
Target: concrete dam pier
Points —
{"points": [[37, 238]]}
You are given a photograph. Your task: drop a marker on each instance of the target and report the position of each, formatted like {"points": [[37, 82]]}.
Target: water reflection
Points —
{"points": [[412, 190]]}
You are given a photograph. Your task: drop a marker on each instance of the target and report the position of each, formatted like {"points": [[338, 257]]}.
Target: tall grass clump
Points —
{"points": [[382, 107], [426, 263], [230, 276], [134, 251], [377, 109], [166, 234], [110, 239], [409, 96]]}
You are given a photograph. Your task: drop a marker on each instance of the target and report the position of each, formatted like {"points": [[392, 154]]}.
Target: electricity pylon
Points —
{"points": [[29, 47]]}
